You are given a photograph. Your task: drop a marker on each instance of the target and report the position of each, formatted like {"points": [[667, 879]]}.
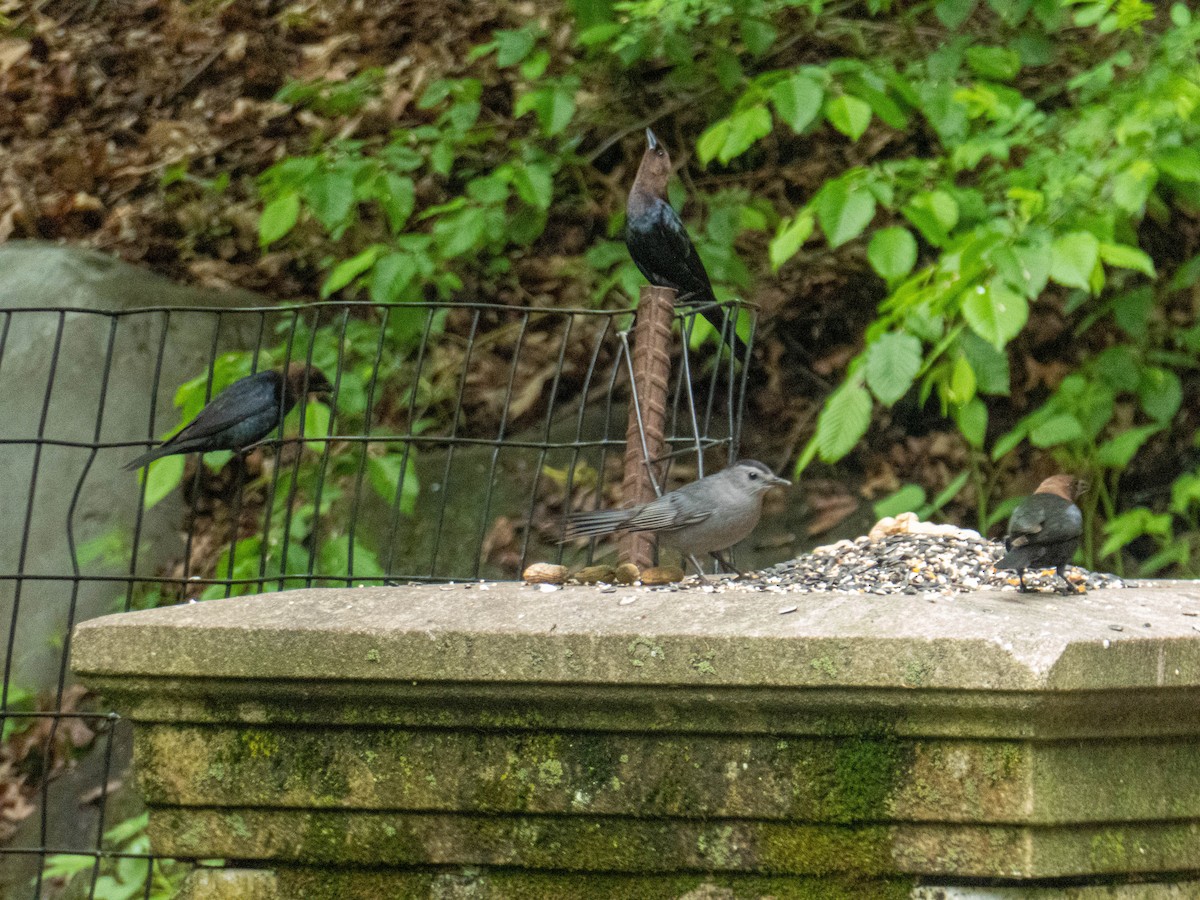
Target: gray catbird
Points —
{"points": [[707, 516], [1045, 529]]}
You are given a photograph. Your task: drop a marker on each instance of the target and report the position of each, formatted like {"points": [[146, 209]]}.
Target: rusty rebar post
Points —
{"points": [[644, 438]]}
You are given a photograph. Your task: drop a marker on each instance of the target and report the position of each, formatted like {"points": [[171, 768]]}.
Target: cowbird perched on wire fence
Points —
{"points": [[243, 414], [1045, 528], [709, 515], [660, 246]]}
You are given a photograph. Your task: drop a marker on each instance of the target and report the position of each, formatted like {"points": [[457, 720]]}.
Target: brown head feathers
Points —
{"points": [[301, 378], [1066, 486], [655, 169]]}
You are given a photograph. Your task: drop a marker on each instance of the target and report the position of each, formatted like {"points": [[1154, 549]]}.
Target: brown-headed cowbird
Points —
{"points": [[1045, 528], [243, 414], [659, 244], [707, 516]]}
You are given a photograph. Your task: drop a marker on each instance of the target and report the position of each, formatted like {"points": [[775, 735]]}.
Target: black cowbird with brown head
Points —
{"points": [[659, 244], [243, 414], [1045, 528]]}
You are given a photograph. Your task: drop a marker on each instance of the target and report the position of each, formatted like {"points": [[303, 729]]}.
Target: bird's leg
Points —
{"points": [[699, 568], [1070, 589], [723, 560], [1021, 578]]}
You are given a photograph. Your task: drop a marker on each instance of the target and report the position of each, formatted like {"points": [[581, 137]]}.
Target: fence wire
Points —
{"points": [[456, 438]]}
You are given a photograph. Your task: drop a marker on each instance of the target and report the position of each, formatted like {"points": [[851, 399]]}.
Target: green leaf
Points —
{"points": [[554, 105], [1132, 310], [462, 232], [797, 101], [960, 388], [1033, 259], [712, 139], [397, 200], [908, 498], [391, 277], [758, 35], [330, 195], [349, 269], [1072, 259], [952, 13], [1125, 257], [339, 557], [996, 63], [1181, 163], [893, 361], [1161, 393], [384, 473], [278, 218], [972, 419], [892, 252], [1131, 525], [995, 312], [163, 476], [1059, 429], [843, 421], [513, 46], [316, 425], [946, 494], [849, 115], [1008, 442], [1131, 187], [790, 238], [745, 128], [843, 210], [934, 213], [1119, 452], [989, 364], [535, 184]]}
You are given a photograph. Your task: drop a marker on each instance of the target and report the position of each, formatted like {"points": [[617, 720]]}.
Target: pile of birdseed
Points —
{"points": [[913, 563]]}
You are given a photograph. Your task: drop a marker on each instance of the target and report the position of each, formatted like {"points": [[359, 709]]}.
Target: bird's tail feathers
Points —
{"points": [[599, 522], [1016, 558], [148, 457], [718, 320]]}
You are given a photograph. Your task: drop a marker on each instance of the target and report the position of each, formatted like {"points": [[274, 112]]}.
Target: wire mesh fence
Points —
{"points": [[453, 442]]}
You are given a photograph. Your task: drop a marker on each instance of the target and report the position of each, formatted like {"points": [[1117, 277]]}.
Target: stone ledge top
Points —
{"points": [[1142, 637]]}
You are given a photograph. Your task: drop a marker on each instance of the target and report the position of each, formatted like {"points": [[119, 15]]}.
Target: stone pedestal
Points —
{"points": [[505, 742]]}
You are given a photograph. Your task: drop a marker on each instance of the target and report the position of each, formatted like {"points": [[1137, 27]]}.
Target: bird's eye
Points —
{"points": [[754, 476]]}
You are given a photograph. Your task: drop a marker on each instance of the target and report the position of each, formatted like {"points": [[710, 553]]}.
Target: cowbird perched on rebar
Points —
{"points": [[659, 244], [1045, 528], [709, 515], [243, 414]]}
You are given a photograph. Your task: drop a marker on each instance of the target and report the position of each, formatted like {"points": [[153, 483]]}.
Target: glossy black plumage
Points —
{"points": [[1044, 530], [659, 243], [241, 415]]}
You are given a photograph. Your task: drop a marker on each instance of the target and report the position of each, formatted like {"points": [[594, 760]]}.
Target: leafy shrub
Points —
{"points": [[1000, 158]]}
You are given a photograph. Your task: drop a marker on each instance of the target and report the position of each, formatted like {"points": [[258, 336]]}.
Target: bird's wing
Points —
{"points": [[667, 513], [1027, 518], [1062, 524], [1044, 519], [665, 255], [251, 396]]}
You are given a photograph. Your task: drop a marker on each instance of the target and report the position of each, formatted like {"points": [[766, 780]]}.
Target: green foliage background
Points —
{"points": [[967, 164]]}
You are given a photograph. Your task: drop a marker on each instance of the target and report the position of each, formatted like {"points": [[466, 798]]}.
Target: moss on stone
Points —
{"points": [[867, 770], [825, 666], [511, 885]]}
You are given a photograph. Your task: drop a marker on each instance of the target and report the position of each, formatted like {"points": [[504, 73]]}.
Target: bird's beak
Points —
{"points": [[651, 140], [321, 387], [780, 482]]}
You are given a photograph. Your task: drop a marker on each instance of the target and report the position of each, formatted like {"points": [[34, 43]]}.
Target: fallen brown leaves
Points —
{"points": [[38, 750]]}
